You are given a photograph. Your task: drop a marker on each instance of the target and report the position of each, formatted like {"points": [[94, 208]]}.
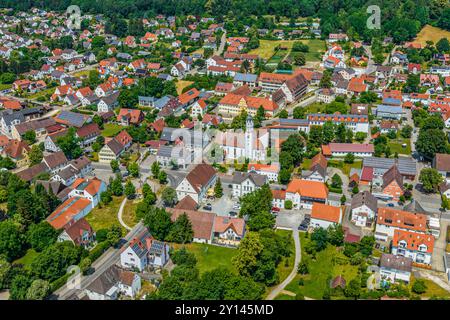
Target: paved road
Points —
{"points": [[371, 67], [298, 256], [110, 257], [223, 41], [119, 214]]}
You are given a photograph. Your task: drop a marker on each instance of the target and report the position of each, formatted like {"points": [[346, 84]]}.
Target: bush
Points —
{"points": [[288, 204], [419, 286], [303, 268], [98, 250], [101, 235]]}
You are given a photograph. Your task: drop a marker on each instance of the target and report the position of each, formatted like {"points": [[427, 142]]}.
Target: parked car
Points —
{"points": [[390, 205], [207, 207], [232, 214], [275, 210], [303, 227]]}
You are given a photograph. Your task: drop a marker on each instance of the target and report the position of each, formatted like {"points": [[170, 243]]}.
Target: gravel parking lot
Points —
{"points": [[291, 219]]}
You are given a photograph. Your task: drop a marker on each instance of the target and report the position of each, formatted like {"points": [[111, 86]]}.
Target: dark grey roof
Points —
{"points": [[447, 260], [245, 77], [366, 198], [157, 247], [317, 168], [395, 262], [167, 134], [293, 122], [147, 99], [75, 119], [258, 179], [115, 146], [165, 151], [104, 282], [161, 102], [415, 206], [406, 165], [111, 99], [9, 115], [67, 173]]}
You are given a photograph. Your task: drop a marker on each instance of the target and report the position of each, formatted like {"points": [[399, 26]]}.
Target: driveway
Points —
{"points": [[290, 219], [120, 212], [437, 260]]}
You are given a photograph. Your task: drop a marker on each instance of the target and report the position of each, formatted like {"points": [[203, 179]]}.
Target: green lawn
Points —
{"points": [[129, 213], [111, 130], [106, 216], [40, 93], [284, 297], [433, 289], [266, 48], [27, 259], [345, 167], [4, 86], [325, 267], [210, 257], [316, 50], [285, 266], [396, 146]]}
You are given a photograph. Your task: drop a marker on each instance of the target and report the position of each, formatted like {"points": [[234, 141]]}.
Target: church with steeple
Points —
{"points": [[251, 144]]}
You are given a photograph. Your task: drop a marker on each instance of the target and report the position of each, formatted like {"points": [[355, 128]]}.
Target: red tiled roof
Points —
{"points": [[326, 212], [402, 219], [306, 188], [413, 240]]}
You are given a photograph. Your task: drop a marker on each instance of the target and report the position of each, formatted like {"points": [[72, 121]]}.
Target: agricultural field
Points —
{"points": [[430, 33]]}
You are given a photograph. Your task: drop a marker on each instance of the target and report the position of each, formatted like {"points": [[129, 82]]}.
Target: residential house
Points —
{"points": [[127, 117], [80, 233], [393, 183], [389, 220], [90, 189], [269, 170], [112, 283], [228, 231], [202, 223], [88, 134], [114, 148], [394, 269], [363, 209], [244, 183], [441, 163], [417, 246], [55, 161], [108, 103], [143, 251], [197, 182], [303, 193]]}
